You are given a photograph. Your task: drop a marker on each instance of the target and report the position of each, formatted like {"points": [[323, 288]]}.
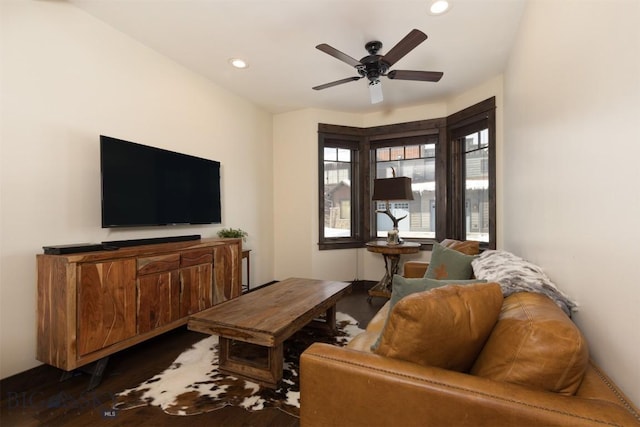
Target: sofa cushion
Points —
{"points": [[401, 287], [449, 264], [536, 345], [445, 327]]}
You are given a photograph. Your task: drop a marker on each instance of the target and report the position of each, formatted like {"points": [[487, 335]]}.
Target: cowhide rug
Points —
{"points": [[193, 385]]}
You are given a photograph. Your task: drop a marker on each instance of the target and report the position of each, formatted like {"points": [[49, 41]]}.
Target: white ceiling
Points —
{"points": [[470, 44]]}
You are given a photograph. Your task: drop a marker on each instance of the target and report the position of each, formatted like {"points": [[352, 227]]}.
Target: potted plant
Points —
{"points": [[233, 233]]}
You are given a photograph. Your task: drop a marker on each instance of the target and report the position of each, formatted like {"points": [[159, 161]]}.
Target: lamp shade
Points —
{"points": [[397, 188]]}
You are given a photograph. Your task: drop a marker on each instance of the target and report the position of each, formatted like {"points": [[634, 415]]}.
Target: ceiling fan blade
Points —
{"points": [[424, 76], [337, 82], [404, 46], [337, 54]]}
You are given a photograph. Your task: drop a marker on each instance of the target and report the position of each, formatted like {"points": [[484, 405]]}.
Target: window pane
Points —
{"points": [[382, 154], [476, 192], [484, 137], [344, 155], [412, 152], [337, 192], [428, 150], [397, 153], [330, 153], [421, 211]]}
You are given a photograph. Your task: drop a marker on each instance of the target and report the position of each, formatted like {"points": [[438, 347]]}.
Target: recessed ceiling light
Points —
{"points": [[238, 63], [438, 7]]}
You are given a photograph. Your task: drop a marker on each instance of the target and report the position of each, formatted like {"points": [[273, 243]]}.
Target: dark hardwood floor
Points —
{"points": [[37, 397]]}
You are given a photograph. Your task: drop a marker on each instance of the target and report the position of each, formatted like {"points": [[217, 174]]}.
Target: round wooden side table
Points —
{"points": [[391, 255]]}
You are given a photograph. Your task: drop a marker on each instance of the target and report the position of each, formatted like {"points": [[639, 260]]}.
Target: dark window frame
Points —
{"points": [[449, 174], [347, 138], [475, 118]]}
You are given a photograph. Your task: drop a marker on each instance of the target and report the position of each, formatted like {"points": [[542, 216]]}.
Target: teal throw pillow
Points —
{"points": [[449, 264], [401, 287]]}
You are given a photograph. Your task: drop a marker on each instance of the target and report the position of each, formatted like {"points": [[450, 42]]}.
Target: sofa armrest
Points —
{"points": [[415, 269], [340, 386]]}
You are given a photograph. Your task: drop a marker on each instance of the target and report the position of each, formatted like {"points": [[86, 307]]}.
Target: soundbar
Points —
{"points": [[151, 241], [74, 248]]}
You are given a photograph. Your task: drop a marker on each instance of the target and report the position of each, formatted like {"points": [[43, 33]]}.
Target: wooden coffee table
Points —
{"points": [[266, 317]]}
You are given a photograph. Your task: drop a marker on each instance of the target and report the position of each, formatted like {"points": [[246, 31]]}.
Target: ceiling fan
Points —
{"points": [[373, 65]]}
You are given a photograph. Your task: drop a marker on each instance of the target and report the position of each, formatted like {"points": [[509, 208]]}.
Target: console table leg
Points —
{"points": [[96, 370], [383, 287], [96, 375], [391, 255]]}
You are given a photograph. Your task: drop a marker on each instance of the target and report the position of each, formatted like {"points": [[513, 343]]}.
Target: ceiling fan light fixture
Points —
{"points": [[238, 63], [438, 7], [375, 91]]}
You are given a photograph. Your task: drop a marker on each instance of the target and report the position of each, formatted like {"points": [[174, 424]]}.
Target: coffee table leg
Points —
{"points": [[224, 347], [268, 375], [276, 360], [331, 318], [328, 324]]}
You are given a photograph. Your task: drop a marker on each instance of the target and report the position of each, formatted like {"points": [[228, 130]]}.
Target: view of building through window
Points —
{"points": [[417, 162], [337, 192], [476, 178]]}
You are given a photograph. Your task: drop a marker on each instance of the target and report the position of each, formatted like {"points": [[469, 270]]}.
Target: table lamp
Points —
{"points": [[386, 189]]}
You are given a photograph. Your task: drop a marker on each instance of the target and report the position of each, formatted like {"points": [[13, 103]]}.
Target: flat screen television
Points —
{"points": [[146, 186]]}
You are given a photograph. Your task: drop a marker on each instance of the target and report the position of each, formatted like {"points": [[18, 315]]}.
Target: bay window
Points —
{"points": [[451, 163]]}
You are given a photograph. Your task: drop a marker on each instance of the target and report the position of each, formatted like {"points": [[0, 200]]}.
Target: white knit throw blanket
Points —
{"points": [[514, 274]]}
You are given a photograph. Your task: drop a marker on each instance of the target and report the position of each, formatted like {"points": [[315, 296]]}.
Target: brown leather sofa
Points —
{"points": [[353, 386]]}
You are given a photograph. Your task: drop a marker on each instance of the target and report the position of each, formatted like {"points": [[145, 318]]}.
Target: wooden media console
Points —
{"points": [[93, 304]]}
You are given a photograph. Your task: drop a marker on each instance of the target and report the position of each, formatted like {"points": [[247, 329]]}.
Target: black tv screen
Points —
{"points": [[144, 186]]}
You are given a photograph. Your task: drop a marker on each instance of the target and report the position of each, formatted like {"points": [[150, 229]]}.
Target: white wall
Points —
{"points": [[66, 79], [295, 143], [296, 183], [571, 162]]}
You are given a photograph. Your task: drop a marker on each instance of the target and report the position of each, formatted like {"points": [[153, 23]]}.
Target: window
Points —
{"points": [[451, 163], [338, 170], [339, 224], [418, 162], [476, 188], [472, 174]]}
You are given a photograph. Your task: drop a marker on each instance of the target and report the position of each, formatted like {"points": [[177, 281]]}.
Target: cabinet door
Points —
{"points": [[158, 300], [158, 263], [106, 304], [196, 289], [227, 282]]}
